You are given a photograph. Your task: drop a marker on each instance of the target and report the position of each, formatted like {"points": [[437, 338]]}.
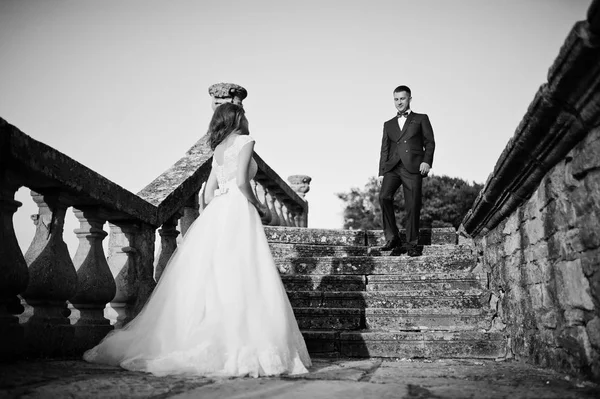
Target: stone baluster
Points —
{"points": [[301, 185], [290, 218], [279, 211], [201, 200], [144, 243], [298, 219], [270, 202], [286, 215], [52, 279], [168, 238], [191, 211], [14, 276], [122, 257], [96, 283], [261, 196]]}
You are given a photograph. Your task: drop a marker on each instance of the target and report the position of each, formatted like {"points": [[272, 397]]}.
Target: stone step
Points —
{"points": [[434, 236], [410, 282], [326, 282], [368, 265], [330, 318], [446, 299], [406, 344], [465, 281], [393, 319], [303, 235], [434, 344], [287, 250], [463, 319]]}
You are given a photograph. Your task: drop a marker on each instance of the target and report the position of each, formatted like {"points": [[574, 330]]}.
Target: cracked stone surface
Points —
{"points": [[328, 378]]}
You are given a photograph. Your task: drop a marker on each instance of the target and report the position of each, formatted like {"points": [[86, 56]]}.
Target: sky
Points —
{"points": [[122, 86]]}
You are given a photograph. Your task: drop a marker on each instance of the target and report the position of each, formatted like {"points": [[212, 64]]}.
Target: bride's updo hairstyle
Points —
{"points": [[227, 118]]}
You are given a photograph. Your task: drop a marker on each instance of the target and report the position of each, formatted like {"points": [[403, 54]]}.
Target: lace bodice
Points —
{"points": [[227, 172]]}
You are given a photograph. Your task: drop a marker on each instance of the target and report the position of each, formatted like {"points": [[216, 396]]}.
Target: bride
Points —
{"points": [[219, 308]]}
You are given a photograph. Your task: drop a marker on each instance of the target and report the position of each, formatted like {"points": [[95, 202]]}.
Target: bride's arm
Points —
{"points": [[242, 179], [211, 186]]}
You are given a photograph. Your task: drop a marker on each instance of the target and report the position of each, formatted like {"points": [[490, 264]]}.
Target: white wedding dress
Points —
{"points": [[219, 308]]}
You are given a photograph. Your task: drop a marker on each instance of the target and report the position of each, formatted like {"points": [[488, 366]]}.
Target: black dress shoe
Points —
{"points": [[414, 250], [390, 244], [399, 250]]}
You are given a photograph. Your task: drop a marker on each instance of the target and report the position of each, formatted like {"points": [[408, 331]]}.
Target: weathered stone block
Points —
{"points": [[588, 158], [549, 319], [574, 317], [593, 331], [573, 286], [589, 228], [513, 223], [534, 230], [512, 243]]}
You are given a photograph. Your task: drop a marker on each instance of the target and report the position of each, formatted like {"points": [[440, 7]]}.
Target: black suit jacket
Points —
{"points": [[411, 146]]}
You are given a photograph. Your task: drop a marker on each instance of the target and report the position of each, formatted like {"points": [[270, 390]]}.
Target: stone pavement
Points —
{"points": [[328, 378]]}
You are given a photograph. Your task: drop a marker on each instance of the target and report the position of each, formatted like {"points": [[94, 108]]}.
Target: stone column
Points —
{"points": [[96, 283], [191, 211], [14, 276], [168, 238], [122, 263], [270, 200], [52, 280]]}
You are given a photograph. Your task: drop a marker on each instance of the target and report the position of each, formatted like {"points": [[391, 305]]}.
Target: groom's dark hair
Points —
{"points": [[402, 88]]}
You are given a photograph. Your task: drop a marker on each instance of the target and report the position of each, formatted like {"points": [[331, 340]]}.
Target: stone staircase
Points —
{"points": [[353, 301]]}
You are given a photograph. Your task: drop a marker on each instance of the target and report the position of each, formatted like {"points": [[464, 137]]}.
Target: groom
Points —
{"points": [[406, 157]]}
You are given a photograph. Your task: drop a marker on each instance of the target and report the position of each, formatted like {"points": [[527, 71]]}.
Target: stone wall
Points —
{"points": [[543, 264], [535, 223]]}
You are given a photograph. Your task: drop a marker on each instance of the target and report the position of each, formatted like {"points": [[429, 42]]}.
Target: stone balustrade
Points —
{"points": [[52, 304]]}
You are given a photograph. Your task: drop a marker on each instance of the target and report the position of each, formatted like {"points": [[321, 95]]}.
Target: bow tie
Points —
{"points": [[404, 114]]}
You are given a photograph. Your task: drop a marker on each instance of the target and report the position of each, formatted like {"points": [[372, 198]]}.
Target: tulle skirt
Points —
{"points": [[219, 308]]}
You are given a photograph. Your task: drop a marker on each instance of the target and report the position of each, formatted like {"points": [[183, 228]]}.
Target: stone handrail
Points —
{"points": [[178, 195], [181, 183], [62, 309], [562, 112]]}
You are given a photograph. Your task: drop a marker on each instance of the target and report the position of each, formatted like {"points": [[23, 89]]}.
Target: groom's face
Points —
{"points": [[402, 101]]}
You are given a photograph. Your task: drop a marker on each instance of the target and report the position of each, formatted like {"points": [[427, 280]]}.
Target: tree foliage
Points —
{"points": [[446, 200]]}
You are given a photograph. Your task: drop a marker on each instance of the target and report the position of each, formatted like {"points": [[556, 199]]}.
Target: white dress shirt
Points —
{"points": [[402, 119]]}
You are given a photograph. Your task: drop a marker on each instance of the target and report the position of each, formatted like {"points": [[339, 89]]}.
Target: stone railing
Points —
{"points": [[55, 305], [177, 194], [536, 221]]}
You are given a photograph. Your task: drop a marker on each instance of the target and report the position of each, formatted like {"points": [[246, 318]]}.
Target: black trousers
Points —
{"points": [[412, 184]]}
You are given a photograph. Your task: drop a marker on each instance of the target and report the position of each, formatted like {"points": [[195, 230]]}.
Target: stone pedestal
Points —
{"points": [[300, 184]]}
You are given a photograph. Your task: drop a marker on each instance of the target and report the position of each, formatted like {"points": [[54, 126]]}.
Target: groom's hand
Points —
{"points": [[424, 168], [379, 180]]}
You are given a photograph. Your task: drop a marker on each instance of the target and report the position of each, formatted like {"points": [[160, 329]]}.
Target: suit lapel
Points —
{"points": [[409, 118]]}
